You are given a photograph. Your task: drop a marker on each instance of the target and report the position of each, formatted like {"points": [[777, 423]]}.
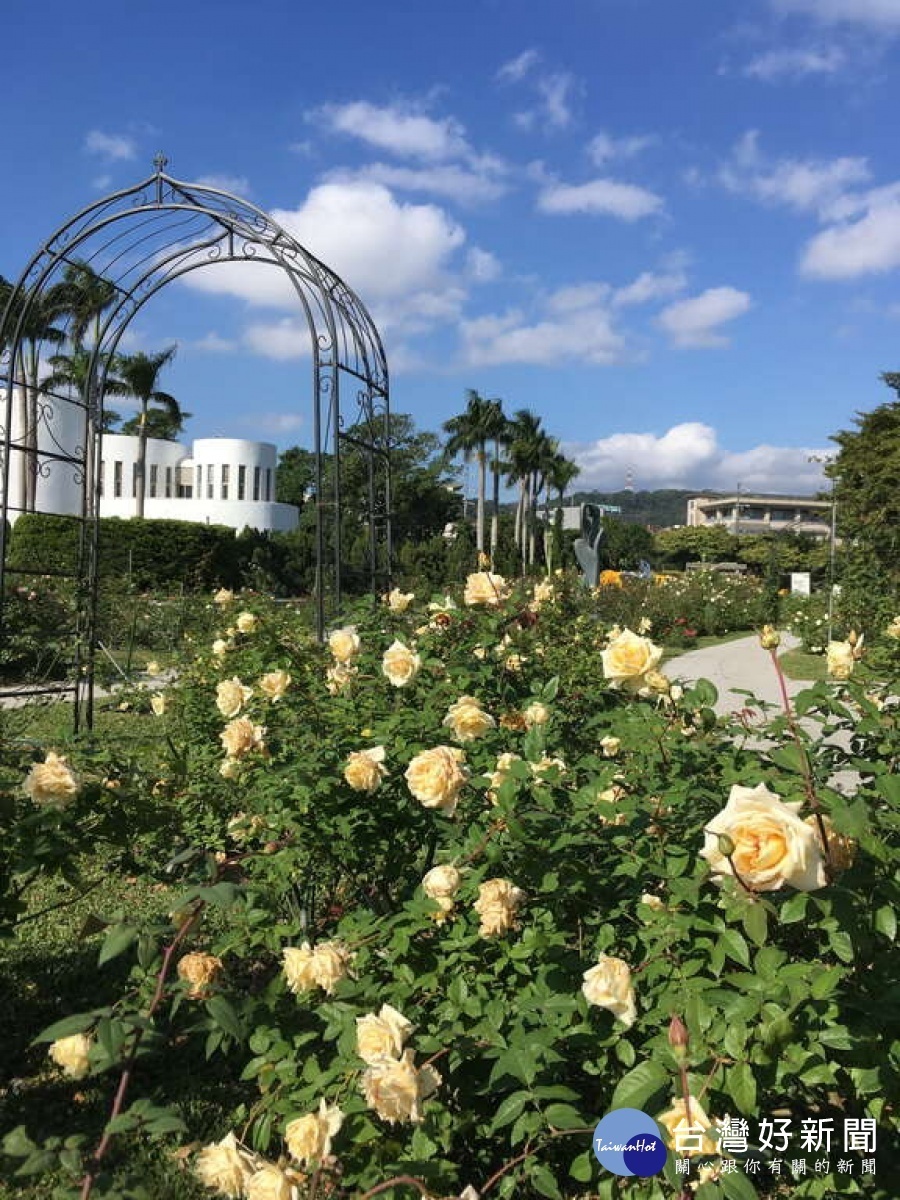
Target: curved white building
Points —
{"points": [[220, 481]]}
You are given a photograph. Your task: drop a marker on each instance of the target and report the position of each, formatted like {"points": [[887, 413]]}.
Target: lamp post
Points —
{"points": [[736, 526], [826, 459]]}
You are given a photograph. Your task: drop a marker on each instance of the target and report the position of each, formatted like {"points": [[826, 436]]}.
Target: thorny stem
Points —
{"points": [[90, 1178], [808, 782], [527, 1153]]}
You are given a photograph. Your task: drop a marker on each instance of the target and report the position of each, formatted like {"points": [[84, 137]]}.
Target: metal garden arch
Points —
{"points": [[139, 240]]}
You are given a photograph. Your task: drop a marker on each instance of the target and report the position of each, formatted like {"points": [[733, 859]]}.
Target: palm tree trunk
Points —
{"points": [[495, 515], [482, 486], [520, 513], [141, 459], [526, 522]]}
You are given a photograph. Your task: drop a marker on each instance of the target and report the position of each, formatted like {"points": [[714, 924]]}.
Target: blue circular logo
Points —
{"points": [[628, 1142]]}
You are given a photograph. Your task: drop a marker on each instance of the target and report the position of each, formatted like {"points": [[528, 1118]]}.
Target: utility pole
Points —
{"points": [[736, 524]]}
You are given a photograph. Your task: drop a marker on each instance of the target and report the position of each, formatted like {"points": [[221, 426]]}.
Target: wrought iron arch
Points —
{"points": [[137, 241]]}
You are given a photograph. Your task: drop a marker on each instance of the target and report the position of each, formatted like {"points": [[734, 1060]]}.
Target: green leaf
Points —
{"points": [[742, 1087], [564, 1116], [705, 693], [542, 1181], [841, 944], [794, 908], [756, 923], [789, 758], [550, 689], [510, 1109], [17, 1143], [736, 1186], [735, 946], [117, 942], [224, 1015], [638, 1085], [582, 1167], [886, 922], [77, 1023]]}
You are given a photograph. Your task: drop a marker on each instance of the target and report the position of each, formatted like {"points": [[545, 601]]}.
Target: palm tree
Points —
{"points": [[561, 471], [469, 434], [524, 440], [140, 374], [86, 296]]}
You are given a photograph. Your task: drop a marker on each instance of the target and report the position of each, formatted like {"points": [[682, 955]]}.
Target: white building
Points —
{"points": [[219, 481], [746, 513]]}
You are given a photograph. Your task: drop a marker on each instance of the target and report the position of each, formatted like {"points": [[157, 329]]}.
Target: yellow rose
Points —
{"points": [[608, 985], [659, 684], [610, 746], [339, 677], [395, 1089], [225, 1166], [545, 764], [840, 660], [468, 720], [153, 667], [773, 846], [274, 684], [240, 736], [497, 904], [247, 622], [223, 597], [229, 768], [364, 770], [381, 1036], [220, 646], [324, 967], [687, 1137], [501, 772], [398, 601], [231, 696], [441, 882], [158, 704], [769, 638], [544, 591], [308, 1138], [436, 777], [51, 782], [344, 643], [269, 1182], [400, 664], [536, 714], [199, 971], [893, 630], [483, 587], [628, 658], [652, 901], [72, 1054]]}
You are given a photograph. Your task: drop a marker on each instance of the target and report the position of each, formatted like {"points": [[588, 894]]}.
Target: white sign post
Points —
{"points": [[800, 583]]}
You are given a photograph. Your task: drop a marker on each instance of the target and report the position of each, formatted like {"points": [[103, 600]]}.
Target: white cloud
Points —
{"points": [[696, 321], [555, 92], [578, 295], [114, 147], [401, 130], [214, 343], [877, 14], [785, 63], [282, 340], [602, 196], [650, 285], [868, 246], [237, 185], [689, 455], [604, 147], [472, 184], [482, 266], [517, 68], [585, 335], [805, 185], [276, 423]]}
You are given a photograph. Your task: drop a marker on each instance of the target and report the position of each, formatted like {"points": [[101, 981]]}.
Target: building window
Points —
{"points": [[268, 483], [168, 482], [209, 482], [256, 483], [117, 479], [242, 483], [224, 481], [154, 478]]}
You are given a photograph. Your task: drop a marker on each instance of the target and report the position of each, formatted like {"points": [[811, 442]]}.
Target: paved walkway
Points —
{"points": [[739, 664]]}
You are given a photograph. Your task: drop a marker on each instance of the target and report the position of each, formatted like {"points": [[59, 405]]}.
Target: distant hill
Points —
{"points": [[659, 509]]}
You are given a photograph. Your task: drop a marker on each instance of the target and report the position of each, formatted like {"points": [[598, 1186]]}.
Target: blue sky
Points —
{"points": [[673, 230]]}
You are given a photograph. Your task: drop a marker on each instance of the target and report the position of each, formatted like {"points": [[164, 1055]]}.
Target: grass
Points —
{"points": [[803, 666], [703, 642]]}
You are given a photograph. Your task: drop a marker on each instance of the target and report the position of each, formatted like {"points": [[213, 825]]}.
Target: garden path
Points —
{"points": [[739, 664]]}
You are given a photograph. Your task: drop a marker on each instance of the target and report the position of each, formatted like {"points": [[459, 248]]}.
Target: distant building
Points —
{"points": [[218, 481], [745, 513]]}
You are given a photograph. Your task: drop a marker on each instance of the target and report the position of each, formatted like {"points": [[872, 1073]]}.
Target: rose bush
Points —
{"points": [[450, 976]]}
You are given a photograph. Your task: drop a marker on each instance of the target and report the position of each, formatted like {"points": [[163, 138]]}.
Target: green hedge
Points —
{"points": [[151, 553]]}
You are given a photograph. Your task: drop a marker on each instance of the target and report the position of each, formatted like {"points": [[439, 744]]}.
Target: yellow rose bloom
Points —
{"points": [[628, 658], [773, 846], [344, 643], [436, 777], [241, 736], [381, 1036], [688, 1137], [400, 664], [158, 704], [536, 714], [269, 1182], [274, 684], [223, 597], [468, 720], [395, 1089], [231, 696], [308, 1138], [199, 971], [441, 882], [51, 782], [364, 770], [610, 746], [398, 601], [224, 1166], [220, 647], [840, 659], [72, 1054], [325, 966], [247, 622], [483, 587], [498, 902], [608, 985], [339, 677]]}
